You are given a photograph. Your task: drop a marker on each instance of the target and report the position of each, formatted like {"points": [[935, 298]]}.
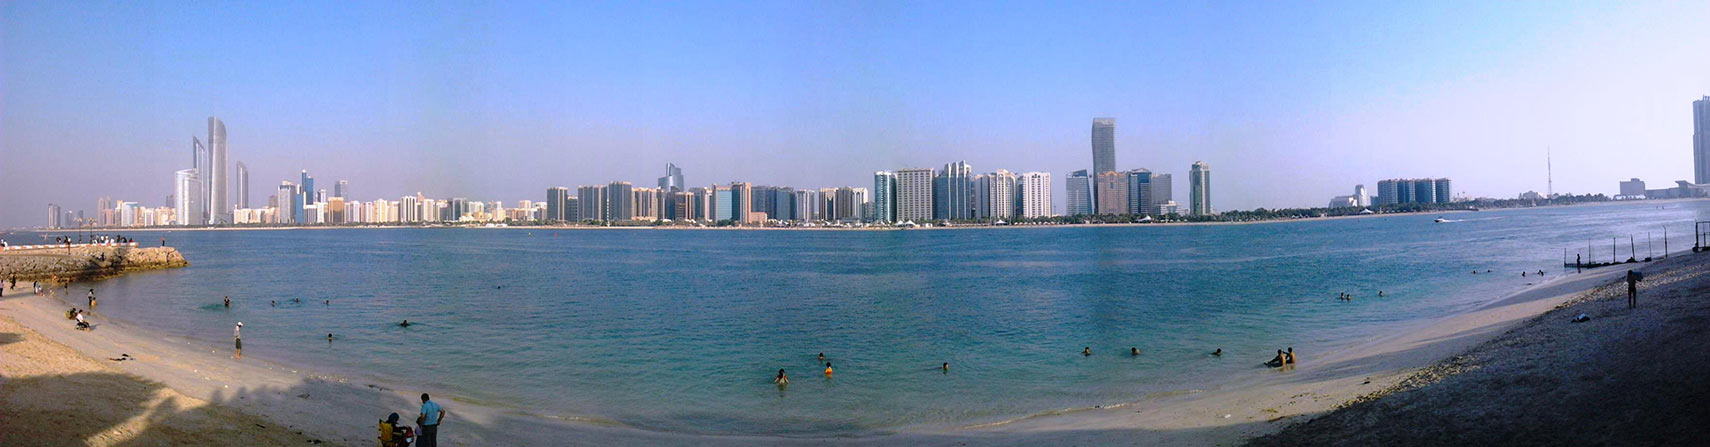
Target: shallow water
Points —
{"points": [[683, 330]]}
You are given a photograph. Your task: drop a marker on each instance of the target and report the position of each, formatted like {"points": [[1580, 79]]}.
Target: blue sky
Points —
{"points": [[1290, 103]]}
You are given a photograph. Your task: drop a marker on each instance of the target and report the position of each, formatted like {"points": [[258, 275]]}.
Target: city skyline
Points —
{"points": [[1410, 99]]}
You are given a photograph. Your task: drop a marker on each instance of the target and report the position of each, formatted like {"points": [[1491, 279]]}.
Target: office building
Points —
{"points": [[673, 179], [1633, 189], [806, 205], [914, 195], [952, 192], [219, 208], [997, 198], [620, 202], [341, 189], [1078, 194], [592, 202], [1389, 192], [1199, 189], [1033, 191], [1139, 192], [242, 185], [1701, 141], [1104, 145], [186, 187], [556, 199], [1110, 189], [56, 218], [884, 196], [1442, 191], [1160, 190], [287, 212]]}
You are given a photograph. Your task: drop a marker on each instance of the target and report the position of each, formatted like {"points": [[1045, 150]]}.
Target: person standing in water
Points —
{"points": [[91, 299], [228, 302], [1087, 351], [782, 379], [237, 339], [827, 370]]}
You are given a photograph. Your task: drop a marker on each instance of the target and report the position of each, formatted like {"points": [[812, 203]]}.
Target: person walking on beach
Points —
{"points": [[237, 339], [429, 420], [1633, 279], [1576, 263]]}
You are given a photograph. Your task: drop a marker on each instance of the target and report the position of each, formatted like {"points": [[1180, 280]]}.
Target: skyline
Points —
{"points": [[818, 95]]}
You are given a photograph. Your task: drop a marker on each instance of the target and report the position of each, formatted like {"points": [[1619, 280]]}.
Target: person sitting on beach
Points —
{"points": [[1290, 359], [1277, 362], [392, 434], [781, 379], [80, 323]]}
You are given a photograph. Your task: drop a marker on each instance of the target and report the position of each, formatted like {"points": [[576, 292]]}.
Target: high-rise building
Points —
{"points": [[1199, 190], [884, 196], [1160, 191], [742, 204], [1111, 191], [1389, 192], [1033, 190], [647, 204], [54, 216], [556, 200], [1104, 153], [292, 209], [673, 179], [1078, 194], [1442, 190], [914, 195], [572, 209], [591, 200], [186, 186], [952, 192], [1425, 190], [806, 205], [1701, 140], [620, 202], [242, 186], [1139, 192], [341, 189], [1634, 188], [1361, 199], [997, 198], [722, 208], [220, 209]]}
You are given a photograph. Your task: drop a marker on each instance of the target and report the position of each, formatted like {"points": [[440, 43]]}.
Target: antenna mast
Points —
{"points": [[1549, 176]]}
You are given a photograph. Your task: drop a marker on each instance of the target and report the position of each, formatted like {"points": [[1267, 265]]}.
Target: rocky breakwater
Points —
{"points": [[61, 265]]}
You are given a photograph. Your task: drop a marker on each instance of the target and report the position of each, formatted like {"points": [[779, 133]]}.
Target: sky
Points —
{"points": [[1290, 103]]}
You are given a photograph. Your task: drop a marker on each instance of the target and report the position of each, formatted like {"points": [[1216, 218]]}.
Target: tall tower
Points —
{"points": [[1701, 141], [1077, 197], [1199, 189], [242, 186], [673, 179], [1103, 145], [884, 196], [220, 209]]}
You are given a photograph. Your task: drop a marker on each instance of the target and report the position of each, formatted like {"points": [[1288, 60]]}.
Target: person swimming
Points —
{"points": [[406, 323], [1133, 351], [821, 356], [946, 366], [273, 303], [828, 369], [228, 302], [1218, 352], [329, 338], [1277, 362], [1086, 351], [1380, 293], [781, 379]]}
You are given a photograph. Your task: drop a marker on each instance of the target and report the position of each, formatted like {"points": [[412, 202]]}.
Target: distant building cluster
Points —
{"points": [[1140, 192]]}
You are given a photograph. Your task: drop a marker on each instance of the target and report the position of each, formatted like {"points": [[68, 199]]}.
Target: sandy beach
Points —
{"points": [[180, 389]]}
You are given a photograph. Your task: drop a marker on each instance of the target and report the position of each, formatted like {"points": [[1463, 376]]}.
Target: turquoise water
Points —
{"points": [[683, 330]]}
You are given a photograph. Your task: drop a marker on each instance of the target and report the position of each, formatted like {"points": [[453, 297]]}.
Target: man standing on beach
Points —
{"points": [[429, 420], [237, 337], [1633, 279]]}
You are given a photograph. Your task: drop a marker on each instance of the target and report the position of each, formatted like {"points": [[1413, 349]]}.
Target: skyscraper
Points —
{"points": [[1140, 192], [199, 161], [952, 193], [1034, 189], [591, 202], [306, 187], [997, 195], [242, 186], [186, 186], [1160, 191], [556, 199], [1361, 198], [1078, 194], [1111, 191], [290, 204], [1701, 140], [1443, 191], [1103, 153], [884, 196], [341, 189], [220, 209], [914, 195], [620, 202], [673, 179], [55, 218], [1199, 190]]}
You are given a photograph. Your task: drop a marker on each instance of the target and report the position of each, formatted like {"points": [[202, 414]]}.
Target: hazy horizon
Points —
{"points": [[1289, 106]]}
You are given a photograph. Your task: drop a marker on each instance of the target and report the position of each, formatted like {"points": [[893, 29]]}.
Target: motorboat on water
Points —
{"points": [[1441, 220]]}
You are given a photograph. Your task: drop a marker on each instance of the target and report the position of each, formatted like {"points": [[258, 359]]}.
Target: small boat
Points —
{"points": [[1441, 220]]}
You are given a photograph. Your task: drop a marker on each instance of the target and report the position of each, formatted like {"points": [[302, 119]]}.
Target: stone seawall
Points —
{"points": [[59, 265]]}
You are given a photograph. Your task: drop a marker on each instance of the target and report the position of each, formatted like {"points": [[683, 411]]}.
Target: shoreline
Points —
{"points": [[1259, 403], [764, 228]]}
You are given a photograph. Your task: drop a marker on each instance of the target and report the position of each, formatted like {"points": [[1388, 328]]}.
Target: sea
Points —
{"points": [[683, 330]]}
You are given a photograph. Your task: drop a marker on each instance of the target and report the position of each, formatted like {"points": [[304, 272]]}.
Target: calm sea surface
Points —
{"points": [[683, 330]]}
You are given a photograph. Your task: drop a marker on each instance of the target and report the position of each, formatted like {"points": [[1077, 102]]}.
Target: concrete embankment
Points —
{"points": [[86, 263]]}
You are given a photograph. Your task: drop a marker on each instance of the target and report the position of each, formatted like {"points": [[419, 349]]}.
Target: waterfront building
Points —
{"points": [[1389, 192], [1160, 190], [186, 190], [1199, 189], [620, 202], [844, 206], [884, 196], [556, 199], [704, 208], [807, 205], [914, 195], [1033, 190], [219, 208], [647, 204], [56, 218], [1104, 145], [242, 186], [1139, 192], [104, 211], [673, 179], [1110, 189], [335, 211], [1442, 191], [409, 209], [341, 189], [1361, 199], [784, 202], [1169, 207], [1078, 194], [741, 205], [288, 213], [722, 209], [1633, 189], [198, 161], [996, 198], [1425, 191], [592, 202], [1701, 141], [952, 198]]}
